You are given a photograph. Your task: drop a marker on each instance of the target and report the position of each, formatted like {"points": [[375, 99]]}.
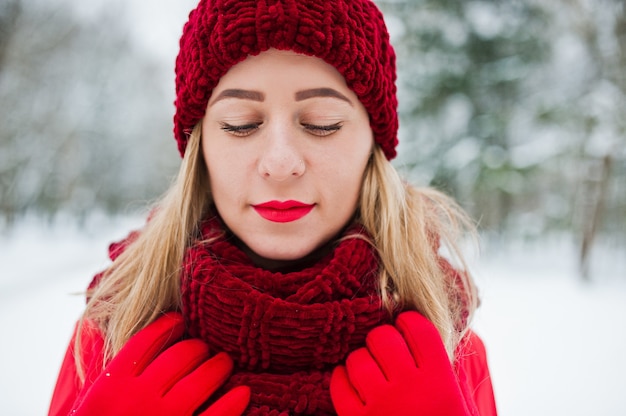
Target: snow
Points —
{"points": [[44, 269], [556, 345]]}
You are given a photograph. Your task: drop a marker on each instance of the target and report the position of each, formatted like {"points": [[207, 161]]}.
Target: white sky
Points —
{"points": [[159, 24], [155, 25]]}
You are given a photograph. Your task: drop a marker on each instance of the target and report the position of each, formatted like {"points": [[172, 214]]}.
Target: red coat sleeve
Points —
{"points": [[472, 361], [69, 386]]}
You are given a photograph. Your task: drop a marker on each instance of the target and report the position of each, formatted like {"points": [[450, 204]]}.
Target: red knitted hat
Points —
{"points": [[348, 34]]}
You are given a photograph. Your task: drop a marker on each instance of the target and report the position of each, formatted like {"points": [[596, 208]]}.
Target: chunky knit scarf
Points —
{"points": [[285, 331]]}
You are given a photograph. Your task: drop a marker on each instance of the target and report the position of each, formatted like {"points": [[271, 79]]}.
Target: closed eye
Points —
{"points": [[240, 130], [322, 130]]}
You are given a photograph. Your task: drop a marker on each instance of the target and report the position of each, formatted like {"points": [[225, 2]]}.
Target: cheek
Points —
{"points": [[343, 179], [226, 179], [225, 174], [350, 161]]}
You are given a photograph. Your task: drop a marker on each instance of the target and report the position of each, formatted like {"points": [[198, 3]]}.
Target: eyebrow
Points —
{"points": [[241, 94], [321, 92], [300, 95]]}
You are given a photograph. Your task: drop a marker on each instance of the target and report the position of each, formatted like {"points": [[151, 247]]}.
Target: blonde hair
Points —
{"points": [[143, 282], [405, 223], [410, 226]]}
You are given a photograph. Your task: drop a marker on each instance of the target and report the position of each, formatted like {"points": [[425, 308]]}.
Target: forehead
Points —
{"points": [[282, 67]]}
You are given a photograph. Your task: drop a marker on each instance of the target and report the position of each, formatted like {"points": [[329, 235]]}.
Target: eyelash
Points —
{"points": [[240, 130], [323, 130], [247, 129]]}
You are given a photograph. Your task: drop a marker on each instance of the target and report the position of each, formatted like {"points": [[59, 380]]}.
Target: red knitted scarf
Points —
{"points": [[285, 331]]}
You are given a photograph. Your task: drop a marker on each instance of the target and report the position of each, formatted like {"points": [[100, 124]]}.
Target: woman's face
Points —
{"points": [[286, 143]]}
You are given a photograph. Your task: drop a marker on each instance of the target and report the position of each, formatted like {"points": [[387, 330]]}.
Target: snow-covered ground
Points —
{"points": [[556, 346]]}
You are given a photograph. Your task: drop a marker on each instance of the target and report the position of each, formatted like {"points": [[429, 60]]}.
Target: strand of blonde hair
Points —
{"points": [[408, 226], [143, 282]]}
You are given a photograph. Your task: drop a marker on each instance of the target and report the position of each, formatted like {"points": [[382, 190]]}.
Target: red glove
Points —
{"points": [[153, 374], [403, 371]]}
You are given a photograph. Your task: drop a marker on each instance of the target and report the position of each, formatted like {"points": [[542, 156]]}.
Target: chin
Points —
{"points": [[292, 254], [289, 256]]}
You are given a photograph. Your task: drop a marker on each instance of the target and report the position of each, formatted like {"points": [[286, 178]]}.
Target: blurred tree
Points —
{"points": [[513, 106], [594, 117], [9, 10], [81, 113], [462, 66]]}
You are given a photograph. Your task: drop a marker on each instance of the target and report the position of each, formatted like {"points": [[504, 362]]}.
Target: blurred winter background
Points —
{"points": [[515, 107]]}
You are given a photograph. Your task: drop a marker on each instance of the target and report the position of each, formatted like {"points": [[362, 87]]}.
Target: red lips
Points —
{"points": [[283, 211]]}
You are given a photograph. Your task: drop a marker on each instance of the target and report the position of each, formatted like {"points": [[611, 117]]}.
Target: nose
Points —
{"points": [[281, 160]]}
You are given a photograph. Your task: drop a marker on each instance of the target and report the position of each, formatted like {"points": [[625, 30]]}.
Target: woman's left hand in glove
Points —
{"points": [[403, 370]]}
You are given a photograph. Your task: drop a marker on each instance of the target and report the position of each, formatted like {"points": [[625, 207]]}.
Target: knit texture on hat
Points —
{"points": [[348, 34]]}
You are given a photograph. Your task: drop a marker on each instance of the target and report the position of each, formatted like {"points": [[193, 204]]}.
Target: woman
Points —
{"points": [[288, 270]]}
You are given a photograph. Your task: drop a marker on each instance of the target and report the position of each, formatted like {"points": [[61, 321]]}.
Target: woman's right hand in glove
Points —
{"points": [[157, 373]]}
